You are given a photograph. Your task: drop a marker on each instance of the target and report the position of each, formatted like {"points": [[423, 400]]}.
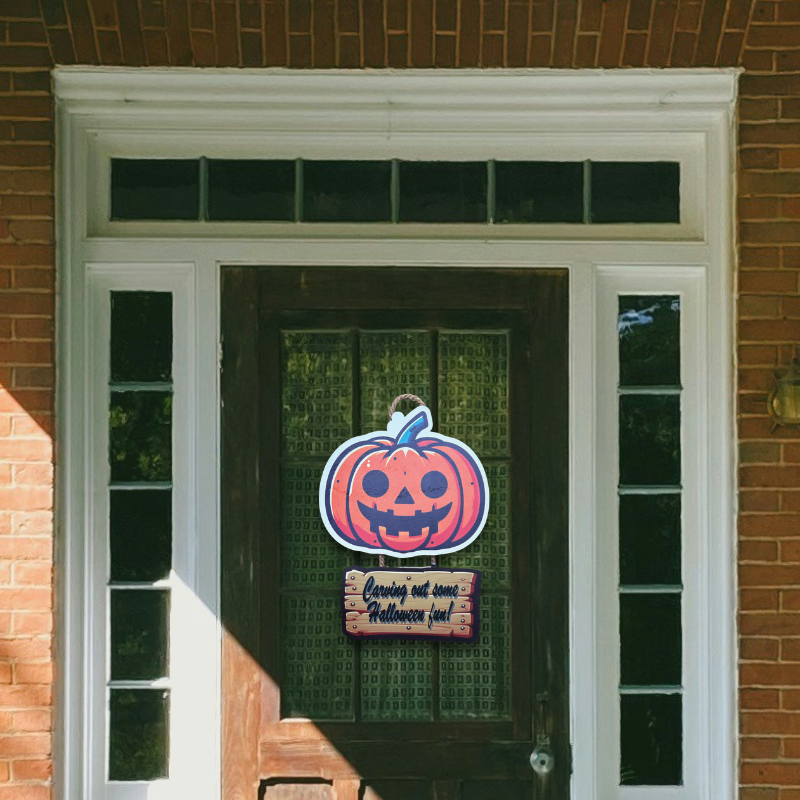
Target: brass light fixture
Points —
{"points": [[783, 402]]}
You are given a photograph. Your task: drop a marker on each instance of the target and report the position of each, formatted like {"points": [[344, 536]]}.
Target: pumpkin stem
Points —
{"points": [[414, 427]]}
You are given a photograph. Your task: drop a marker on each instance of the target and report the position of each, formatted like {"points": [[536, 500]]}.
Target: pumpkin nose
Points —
{"points": [[405, 497]]}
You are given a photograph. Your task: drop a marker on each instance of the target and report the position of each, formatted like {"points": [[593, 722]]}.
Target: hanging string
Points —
{"points": [[392, 408]]}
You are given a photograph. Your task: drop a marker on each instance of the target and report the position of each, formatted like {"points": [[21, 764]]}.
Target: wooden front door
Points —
{"points": [[311, 357]]}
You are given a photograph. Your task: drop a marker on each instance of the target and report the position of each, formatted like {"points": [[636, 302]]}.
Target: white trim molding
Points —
{"points": [[683, 115]]}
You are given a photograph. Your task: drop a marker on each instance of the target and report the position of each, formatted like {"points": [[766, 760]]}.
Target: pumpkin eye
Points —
{"points": [[375, 483], [433, 484]]}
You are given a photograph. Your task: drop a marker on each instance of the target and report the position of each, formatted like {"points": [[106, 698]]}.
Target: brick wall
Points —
{"points": [[763, 37]]}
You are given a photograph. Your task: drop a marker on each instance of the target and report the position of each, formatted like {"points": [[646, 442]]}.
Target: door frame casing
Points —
{"points": [[255, 113]]}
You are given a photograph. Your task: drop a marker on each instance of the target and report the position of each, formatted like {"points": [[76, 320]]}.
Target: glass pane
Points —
{"points": [[139, 735], [491, 551], [141, 535], [140, 436], [650, 634], [317, 659], [652, 740], [649, 340], [473, 390], [388, 359], [317, 391], [475, 679], [141, 336], [139, 634], [309, 555], [636, 191], [251, 190], [155, 188], [650, 539], [439, 191], [396, 680], [538, 191], [347, 191], [649, 440]]}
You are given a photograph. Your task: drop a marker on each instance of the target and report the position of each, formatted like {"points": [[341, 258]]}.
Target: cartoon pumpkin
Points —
{"points": [[402, 495]]}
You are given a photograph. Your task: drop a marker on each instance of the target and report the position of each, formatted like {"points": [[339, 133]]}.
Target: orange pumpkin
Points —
{"points": [[416, 492]]}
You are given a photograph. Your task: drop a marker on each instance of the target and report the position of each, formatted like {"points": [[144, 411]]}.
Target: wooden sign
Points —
{"points": [[411, 603]]}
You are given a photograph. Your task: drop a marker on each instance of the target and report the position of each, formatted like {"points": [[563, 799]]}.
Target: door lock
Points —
{"points": [[542, 758]]}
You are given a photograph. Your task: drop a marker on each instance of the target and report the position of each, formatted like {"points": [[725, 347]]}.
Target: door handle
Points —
{"points": [[542, 758]]}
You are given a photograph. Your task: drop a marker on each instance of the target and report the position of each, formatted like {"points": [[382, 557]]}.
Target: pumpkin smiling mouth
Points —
{"points": [[412, 524]]}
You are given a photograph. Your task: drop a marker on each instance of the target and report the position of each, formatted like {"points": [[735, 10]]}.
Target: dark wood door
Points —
{"points": [[312, 357]]}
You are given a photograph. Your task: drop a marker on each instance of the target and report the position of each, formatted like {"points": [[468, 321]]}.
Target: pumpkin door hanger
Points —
{"points": [[405, 492]]}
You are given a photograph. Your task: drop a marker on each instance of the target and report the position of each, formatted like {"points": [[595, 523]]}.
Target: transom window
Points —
{"points": [[396, 191]]}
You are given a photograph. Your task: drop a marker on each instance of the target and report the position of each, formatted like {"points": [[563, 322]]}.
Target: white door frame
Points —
{"points": [[684, 115]]}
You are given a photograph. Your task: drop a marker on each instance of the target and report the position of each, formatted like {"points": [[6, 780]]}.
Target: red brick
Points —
{"points": [[41, 574], [33, 721], [769, 674], [790, 649], [761, 748], [759, 600], [749, 550], [31, 623], [754, 649], [33, 673], [769, 525], [770, 722], [755, 61], [760, 698], [770, 773], [771, 330], [790, 550], [774, 36], [25, 792], [769, 624], [759, 501], [31, 769]]}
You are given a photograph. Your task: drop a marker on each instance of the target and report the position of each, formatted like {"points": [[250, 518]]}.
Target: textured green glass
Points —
{"points": [[138, 748], [317, 679], [475, 679], [473, 390], [491, 551], [140, 436], [317, 407], [310, 557], [392, 363], [396, 680]]}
